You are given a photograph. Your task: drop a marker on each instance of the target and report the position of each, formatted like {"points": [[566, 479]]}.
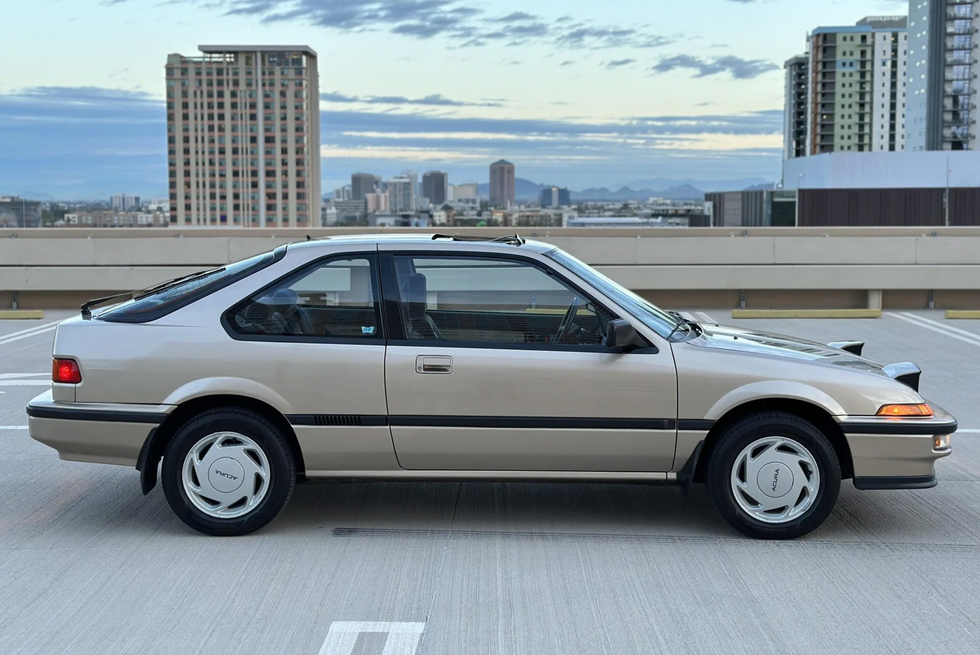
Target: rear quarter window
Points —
{"points": [[154, 305]]}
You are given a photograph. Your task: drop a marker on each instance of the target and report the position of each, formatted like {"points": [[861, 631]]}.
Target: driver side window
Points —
{"points": [[484, 299]]}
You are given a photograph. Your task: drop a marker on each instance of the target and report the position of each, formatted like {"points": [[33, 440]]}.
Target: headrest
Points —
{"points": [[414, 289], [281, 297]]}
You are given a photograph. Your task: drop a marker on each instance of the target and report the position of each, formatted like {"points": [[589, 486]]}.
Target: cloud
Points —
{"points": [[617, 63], [463, 22], [570, 152], [579, 36], [436, 100], [738, 68], [59, 135], [515, 17], [79, 95], [54, 135]]}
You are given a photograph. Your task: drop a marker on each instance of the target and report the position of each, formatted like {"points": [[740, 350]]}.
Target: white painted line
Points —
{"points": [[707, 318], [12, 427], [25, 383], [686, 315], [38, 332], [969, 431], [403, 638], [14, 376], [942, 330], [945, 326], [30, 329]]}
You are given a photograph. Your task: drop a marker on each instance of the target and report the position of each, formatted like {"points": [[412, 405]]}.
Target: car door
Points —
{"points": [[315, 339], [481, 376]]}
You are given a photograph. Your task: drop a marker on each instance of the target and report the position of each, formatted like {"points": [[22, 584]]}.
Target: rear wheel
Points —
{"points": [[228, 472], [773, 475]]}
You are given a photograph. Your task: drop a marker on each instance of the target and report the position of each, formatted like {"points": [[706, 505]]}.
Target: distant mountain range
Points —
{"points": [[639, 189], [100, 190], [682, 192], [662, 183], [523, 189]]}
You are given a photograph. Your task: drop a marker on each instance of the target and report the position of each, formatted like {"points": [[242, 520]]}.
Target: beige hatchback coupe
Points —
{"points": [[457, 358]]}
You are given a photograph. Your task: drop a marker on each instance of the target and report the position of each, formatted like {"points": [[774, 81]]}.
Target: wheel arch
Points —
{"points": [[806, 410], [158, 439]]}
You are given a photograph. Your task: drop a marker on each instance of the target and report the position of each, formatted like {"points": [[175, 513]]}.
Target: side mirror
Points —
{"points": [[620, 334]]}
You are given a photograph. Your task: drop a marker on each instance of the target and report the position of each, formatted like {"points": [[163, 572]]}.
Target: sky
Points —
{"points": [[578, 93]]}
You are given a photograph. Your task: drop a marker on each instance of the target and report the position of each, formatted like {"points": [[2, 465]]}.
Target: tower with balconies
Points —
{"points": [[856, 96], [943, 68], [243, 137]]}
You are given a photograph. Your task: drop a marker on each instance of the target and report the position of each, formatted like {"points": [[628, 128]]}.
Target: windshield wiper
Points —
{"points": [[87, 306], [136, 295], [684, 322], [169, 283]]}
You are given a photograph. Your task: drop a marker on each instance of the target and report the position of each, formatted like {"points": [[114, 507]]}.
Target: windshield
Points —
{"points": [[649, 314]]}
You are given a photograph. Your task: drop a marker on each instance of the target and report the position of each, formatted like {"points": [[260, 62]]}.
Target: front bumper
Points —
{"points": [[104, 433], [897, 482], [890, 453]]}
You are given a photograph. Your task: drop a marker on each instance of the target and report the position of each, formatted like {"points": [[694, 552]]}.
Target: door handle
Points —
{"points": [[433, 364]]}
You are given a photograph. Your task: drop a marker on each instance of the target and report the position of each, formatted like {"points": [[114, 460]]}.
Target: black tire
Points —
{"points": [[282, 470], [737, 437]]}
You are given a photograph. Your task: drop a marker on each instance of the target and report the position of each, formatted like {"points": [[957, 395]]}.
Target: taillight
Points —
{"points": [[65, 371]]}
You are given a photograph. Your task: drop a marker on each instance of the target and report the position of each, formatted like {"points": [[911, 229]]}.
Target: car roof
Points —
{"points": [[431, 240]]}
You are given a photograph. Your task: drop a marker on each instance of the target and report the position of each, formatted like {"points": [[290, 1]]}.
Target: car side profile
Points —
{"points": [[436, 357]]}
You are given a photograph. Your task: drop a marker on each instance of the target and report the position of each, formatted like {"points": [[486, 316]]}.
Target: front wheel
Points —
{"points": [[228, 472], [773, 475]]}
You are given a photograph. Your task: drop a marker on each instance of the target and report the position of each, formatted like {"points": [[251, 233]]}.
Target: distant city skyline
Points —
{"points": [[581, 94]]}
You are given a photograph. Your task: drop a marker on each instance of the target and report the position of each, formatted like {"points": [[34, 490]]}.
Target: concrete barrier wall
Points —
{"points": [[898, 261]]}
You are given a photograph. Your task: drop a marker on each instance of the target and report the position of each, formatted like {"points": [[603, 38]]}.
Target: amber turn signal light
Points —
{"points": [[922, 410]]}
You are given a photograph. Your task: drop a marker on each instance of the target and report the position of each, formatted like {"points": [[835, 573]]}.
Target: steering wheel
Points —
{"points": [[566, 321]]}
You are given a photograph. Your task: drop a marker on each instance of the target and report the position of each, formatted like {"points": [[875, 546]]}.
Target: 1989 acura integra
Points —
{"points": [[440, 358]]}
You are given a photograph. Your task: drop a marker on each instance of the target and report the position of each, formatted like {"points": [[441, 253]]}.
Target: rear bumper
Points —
{"points": [[896, 453], [103, 433]]}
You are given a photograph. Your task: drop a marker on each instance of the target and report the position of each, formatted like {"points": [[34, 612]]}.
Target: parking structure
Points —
{"points": [[89, 565]]}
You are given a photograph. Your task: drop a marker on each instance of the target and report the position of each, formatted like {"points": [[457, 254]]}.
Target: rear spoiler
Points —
{"points": [[905, 372], [853, 347]]}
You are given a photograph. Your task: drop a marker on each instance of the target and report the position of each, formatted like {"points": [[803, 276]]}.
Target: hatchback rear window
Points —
{"points": [[170, 296]]}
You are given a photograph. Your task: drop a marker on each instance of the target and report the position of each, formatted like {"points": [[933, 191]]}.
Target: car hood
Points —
{"points": [[779, 345]]}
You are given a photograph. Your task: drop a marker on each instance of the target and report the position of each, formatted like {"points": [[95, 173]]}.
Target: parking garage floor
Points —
{"points": [[89, 565]]}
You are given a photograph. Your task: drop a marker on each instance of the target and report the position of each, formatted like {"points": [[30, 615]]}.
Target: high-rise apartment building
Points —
{"points": [[376, 202], [465, 191], [435, 187], [19, 212], [400, 196], [362, 184], [502, 184], [243, 133], [555, 197], [414, 177], [795, 112], [943, 70], [125, 203], [857, 87]]}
